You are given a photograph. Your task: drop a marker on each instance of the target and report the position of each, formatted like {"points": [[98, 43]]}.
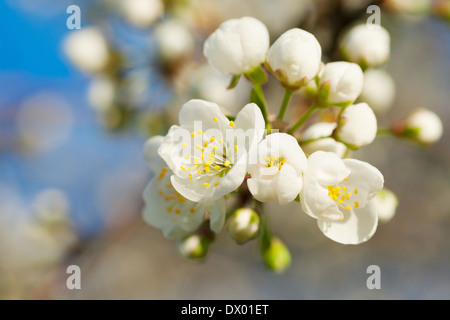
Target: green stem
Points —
{"points": [[261, 97], [284, 104], [302, 143], [303, 119], [384, 132]]}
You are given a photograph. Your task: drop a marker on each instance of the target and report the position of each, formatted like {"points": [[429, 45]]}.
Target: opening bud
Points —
{"points": [[243, 225]]}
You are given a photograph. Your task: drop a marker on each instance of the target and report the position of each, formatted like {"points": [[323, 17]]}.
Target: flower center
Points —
{"points": [[342, 195], [211, 157], [272, 161]]}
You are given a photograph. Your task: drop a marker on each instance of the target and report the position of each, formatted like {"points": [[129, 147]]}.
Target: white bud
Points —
{"points": [[424, 125], [319, 130], [357, 125], [295, 57], [174, 40], [142, 13], [378, 90], [88, 49], [237, 46], [366, 46], [386, 204], [243, 225], [343, 81], [194, 246]]}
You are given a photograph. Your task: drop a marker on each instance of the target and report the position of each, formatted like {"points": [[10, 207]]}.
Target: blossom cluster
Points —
{"points": [[214, 169]]}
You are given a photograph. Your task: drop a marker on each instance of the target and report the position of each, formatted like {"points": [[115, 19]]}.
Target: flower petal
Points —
{"points": [[262, 189], [207, 113], [151, 156], [289, 184], [365, 178], [218, 214], [327, 168], [358, 226]]}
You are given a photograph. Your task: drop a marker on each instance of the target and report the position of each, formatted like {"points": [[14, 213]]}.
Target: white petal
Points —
{"points": [[358, 226], [327, 168], [153, 159], [289, 184], [251, 122], [286, 146], [262, 189], [317, 204], [364, 177], [208, 113], [218, 214]]}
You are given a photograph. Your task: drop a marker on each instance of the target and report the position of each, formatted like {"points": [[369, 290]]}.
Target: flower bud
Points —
{"points": [[422, 125], [88, 50], [142, 13], [369, 47], [243, 225], [174, 40], [312, 139], [295, 58], [378, 90], [238, 46], [386, 204], [357, 125], [276, 255], [194, 246], [341, 83]]}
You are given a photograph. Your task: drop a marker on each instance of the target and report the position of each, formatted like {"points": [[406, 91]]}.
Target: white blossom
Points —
{"points": [[295, 57], [357, 125], [366, 46], [343, 82], [238, 46], [169, 211], [386, 204], [208, 153], [423, 125], [174, 40], [378, 90], [337, 193], [88, 49], [314, 139], [278, 174]]}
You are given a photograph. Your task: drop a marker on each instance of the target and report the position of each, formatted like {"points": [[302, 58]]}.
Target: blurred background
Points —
{"points": [[73, 123]]}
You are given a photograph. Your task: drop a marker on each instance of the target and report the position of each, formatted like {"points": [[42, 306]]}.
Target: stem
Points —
{"points": [[284, 104], [303, 119], [384, 132], [261, 97], [313, 140]]}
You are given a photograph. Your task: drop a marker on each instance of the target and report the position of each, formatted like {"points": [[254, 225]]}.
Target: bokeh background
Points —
{"points": [[71, 177]]}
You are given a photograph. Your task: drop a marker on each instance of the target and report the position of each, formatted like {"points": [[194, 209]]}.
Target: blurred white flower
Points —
{"points": [[378, 90], [337, 193], [169, 211], [424, 126], [88, 49], [51, 206], [174, 40], [366, 46], [142, 13], [342, 82], [238, 46], [295, 58], [386, 204], [102, 93], [278, 173], [357, 125], [313, 136], [208, 153]]}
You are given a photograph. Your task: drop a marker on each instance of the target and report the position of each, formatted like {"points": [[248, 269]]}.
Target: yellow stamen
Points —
{"points": [[347, 208], [216, 184], [356, 204], [206, 185], [232, 124], [212, 139], [215, 119], [193, 134]]}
